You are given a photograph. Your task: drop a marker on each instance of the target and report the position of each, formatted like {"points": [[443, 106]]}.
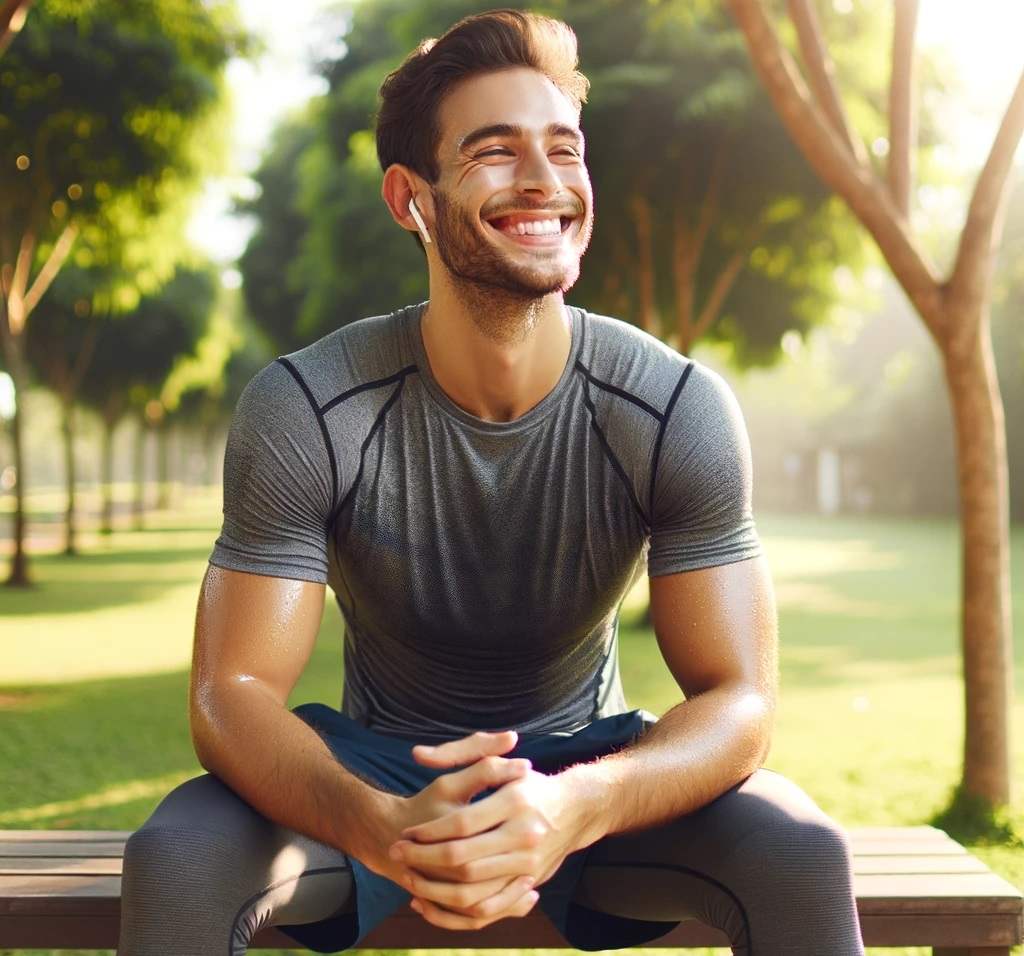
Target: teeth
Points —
{"points": [[535, 227]]}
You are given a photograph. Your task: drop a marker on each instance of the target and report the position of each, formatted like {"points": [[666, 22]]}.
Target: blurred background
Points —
{"points": [[189, 188]]}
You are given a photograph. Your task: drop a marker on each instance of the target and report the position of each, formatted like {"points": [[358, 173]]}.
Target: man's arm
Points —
{"points": [[717, 630], [254, 636]]}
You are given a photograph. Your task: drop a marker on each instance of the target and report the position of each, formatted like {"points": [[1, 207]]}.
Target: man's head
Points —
{"points": [[481, 126]]}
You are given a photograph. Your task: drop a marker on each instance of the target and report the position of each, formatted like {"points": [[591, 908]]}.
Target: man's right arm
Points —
{"points": [[254, 636]]}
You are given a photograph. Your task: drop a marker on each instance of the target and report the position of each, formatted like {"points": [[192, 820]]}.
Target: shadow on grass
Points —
{"points": [[95, 580]]}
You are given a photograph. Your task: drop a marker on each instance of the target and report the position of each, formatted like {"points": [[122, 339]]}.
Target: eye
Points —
{"points": [[565, 150]]}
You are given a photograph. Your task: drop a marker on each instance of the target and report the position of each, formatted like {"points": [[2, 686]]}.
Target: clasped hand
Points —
{"points": [[470, 864]]}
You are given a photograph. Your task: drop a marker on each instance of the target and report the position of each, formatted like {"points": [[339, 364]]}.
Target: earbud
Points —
{"points": [[414, 211]]}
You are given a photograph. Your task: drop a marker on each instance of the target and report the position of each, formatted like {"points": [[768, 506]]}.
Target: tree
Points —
{"points": [[59, 345], [132, 359], [955, 310], [109, 111]]}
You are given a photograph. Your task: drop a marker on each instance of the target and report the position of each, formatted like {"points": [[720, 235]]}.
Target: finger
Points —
{"points": [[458, 896], [432, 913], [515, 863], [454, 853], [456, 753], [464, 821], [460, 786]]}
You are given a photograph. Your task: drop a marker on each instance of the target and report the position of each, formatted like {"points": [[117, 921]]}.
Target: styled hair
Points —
{"points": [[407, 122]]}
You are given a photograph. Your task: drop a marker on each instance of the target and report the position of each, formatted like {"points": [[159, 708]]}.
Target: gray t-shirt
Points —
{"points": [[479, 566]]}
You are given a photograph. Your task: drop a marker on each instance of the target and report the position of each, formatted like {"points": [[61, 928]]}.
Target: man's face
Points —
{"points": [[492, 181]]}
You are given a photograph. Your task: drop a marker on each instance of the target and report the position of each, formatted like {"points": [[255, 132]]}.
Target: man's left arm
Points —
{"points": [[717, 631]]}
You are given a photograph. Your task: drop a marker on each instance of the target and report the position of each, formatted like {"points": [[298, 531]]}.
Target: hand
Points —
{"points": [[523, 831], [487, 769]]}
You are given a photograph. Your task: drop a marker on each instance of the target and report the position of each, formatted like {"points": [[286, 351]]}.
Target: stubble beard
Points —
{"points": [[503, 297]]}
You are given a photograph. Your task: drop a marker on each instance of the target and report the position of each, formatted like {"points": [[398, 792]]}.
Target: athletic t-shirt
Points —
{"points": [[479, 566]]}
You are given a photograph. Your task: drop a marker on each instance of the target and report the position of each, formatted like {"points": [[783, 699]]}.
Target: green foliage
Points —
{"points": [[135, 353], [110, 112]]}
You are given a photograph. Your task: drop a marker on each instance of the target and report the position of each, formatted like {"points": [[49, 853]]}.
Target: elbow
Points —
{"points": [[757, 708]]}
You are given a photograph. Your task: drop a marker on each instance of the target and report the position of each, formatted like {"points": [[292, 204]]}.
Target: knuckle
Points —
{"points": [[449, 853]]}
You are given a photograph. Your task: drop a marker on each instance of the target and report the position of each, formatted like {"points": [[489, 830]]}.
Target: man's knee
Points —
{"points": [[788, 834], [797, 848], [174, 862]]}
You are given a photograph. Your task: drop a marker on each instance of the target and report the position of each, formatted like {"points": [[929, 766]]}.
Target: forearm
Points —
{"points": [[697, 751], [280, 766]]}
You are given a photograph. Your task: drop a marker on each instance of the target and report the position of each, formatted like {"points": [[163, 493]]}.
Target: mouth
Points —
{"points": [[528, 239]]}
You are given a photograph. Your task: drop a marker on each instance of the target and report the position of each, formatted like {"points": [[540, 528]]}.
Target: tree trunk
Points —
{"points": [[68, 435], [107, 477], [986, 640], [163, 465], [641, 209], [139, 505], [18, 576]]}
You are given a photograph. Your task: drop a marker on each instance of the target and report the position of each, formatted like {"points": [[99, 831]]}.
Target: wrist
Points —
{"points": [[372, 827], [593, 793]]}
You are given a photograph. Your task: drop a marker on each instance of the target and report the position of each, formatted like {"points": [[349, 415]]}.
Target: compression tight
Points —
{"points": [[762, 862]]}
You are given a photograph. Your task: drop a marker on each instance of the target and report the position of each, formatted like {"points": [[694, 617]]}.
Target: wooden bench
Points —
{"points": [[915, 887]]}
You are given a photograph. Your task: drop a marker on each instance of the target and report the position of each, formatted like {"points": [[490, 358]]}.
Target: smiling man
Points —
{"points": [[481, 478]]}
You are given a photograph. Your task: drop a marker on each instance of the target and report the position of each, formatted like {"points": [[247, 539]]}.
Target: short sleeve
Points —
{"points": [[701, 512], [278, 483]]}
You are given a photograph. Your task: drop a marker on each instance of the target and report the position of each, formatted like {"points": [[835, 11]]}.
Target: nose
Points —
{"points": [[537, 174]]}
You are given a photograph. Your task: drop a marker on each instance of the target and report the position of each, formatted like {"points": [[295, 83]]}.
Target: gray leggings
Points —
{"points": [[762, 862]]}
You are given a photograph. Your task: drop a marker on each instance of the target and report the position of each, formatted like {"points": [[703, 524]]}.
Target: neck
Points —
{"points": [[494, 354]]}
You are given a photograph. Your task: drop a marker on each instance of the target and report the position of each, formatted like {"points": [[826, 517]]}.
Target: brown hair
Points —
{"points": [[407, 125]]}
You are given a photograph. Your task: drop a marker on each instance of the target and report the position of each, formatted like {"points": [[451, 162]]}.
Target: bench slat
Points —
{"points": [[112, 863], [50, 848]]}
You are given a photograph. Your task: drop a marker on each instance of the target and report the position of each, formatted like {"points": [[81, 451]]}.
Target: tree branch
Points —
{"points": [[979, 239], [51, 267], [725, 279], [821, 74], [828, 155], [12, 18], [902, 111]]}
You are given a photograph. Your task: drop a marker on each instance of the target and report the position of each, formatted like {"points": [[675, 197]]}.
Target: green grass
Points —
{"points": [[94, 728]]}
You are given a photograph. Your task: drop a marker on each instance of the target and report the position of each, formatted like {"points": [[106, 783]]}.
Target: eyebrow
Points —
{"points": [[515, 130]]}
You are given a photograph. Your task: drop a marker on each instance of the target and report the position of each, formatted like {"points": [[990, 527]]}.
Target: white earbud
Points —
{"points": [[415, 211]]}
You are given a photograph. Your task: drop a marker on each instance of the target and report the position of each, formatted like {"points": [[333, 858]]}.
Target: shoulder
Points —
{"points": [[366, 350], [624, 357]]}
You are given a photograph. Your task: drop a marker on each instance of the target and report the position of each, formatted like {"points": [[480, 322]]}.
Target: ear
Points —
{"points": [[398, 189]]}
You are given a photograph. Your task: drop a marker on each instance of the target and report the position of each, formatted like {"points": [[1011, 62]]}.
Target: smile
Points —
{"points": [[536, 239]]}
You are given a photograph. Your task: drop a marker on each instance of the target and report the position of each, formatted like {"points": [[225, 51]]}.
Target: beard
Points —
{"points": [[502, 291]]}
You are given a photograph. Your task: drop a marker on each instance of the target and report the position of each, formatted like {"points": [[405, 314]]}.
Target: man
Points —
{"points": [[480, 478]]}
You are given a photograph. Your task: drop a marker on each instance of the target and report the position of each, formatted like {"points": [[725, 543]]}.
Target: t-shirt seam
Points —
{"points": [[321, 421], [659, 439]]}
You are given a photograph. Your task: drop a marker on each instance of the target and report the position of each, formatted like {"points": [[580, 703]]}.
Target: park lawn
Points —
{"points": [[93, 720]]}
